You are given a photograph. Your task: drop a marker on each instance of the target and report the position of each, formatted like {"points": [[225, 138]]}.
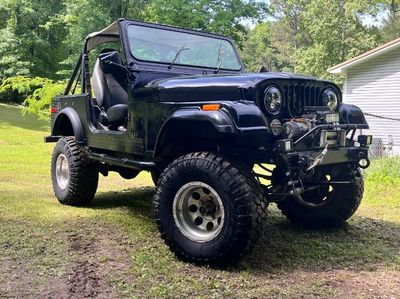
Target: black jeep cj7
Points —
{"points": [[177, 103]]}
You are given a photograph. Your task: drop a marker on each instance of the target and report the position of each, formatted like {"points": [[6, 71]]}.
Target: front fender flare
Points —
{"points": [[351, 114], [219, 122], [239, 118]]}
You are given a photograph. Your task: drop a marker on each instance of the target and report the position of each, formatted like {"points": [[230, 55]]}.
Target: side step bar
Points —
{"points": [[138, 165]]}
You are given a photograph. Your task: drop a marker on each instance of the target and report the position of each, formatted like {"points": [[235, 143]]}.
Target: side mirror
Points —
{"points": [[111, 67]]}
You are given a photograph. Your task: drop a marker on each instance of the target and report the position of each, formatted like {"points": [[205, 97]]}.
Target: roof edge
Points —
{"points": [[339, 68]]}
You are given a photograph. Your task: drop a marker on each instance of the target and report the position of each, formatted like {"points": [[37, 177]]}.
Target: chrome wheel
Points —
{"points": [[62, 171], [198, 212]]}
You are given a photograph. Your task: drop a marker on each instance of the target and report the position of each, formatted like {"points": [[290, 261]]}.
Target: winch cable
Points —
{"points": [[319, 159]]}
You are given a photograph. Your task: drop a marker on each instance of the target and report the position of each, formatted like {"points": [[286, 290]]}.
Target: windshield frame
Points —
{"points": [[181, 30]]}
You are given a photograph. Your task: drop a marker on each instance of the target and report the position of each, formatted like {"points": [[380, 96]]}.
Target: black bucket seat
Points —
{"points": [[109, 81]]}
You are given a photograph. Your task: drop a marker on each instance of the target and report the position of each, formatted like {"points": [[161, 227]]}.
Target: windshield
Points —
{"points": [[181, 48]]}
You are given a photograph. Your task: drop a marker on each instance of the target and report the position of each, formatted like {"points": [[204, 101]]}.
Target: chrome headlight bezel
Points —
{"points": [[273, 100], [330, 99]]}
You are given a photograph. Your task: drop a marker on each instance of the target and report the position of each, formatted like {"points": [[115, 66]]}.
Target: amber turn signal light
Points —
{"points": [[211, 107]]}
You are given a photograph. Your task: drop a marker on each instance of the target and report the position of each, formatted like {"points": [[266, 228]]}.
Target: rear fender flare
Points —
{"points": [[72, 116]]}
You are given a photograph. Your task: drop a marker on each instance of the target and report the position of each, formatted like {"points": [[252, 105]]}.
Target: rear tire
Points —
{"points": [[74, 176], [208, 210], [341, 202]]}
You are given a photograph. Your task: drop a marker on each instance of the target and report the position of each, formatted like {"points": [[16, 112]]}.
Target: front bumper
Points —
{"points": [[353, 154], [327, 144]]}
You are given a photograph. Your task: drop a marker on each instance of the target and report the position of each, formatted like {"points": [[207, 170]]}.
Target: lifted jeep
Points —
{"points": [[177, 103]]}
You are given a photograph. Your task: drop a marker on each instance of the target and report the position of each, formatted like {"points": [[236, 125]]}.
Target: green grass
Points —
{"points": [[46, 247]]}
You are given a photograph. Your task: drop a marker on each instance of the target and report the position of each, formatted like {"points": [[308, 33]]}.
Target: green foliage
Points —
{"points": [[44, 38], [11, 62], [391, 28], [39, 102], [31, 38], [312, 36], [18, 89], [35, 93], [384, 170], [258, 50], [335, 35], [218, 16]]}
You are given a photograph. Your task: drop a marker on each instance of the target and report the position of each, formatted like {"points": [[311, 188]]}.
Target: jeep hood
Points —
{"points": [[216, 87]]}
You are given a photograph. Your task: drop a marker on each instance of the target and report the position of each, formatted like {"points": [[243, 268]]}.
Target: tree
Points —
{"points": [[336, 34], [80, 21], [11, 62], [311, 36], [218, 16], [290, 12], [30, 45], [267, 45], [391, 27]]}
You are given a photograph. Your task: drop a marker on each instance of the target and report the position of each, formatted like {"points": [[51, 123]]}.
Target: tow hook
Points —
{"points": [[363, 161], [319, 159]]}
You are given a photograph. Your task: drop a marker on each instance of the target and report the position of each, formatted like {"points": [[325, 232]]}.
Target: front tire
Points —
{"points": [[155, 176], [208, 210], [74, 176], [330, 205]]}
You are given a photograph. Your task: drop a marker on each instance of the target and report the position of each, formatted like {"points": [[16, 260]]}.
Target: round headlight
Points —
{"points": [[272, 100], [330, 99]]}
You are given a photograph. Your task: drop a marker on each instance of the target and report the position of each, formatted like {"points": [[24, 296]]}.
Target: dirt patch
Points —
{"points": [[83, 275], [92, 259], [379, 282], [98, 259], [84, 280]]}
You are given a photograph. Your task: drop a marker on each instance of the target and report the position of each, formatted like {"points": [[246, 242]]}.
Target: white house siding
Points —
{"points": [[374, 86]]}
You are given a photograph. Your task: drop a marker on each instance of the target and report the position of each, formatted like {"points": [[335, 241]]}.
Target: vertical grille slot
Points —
{"points": [[312, 96]]}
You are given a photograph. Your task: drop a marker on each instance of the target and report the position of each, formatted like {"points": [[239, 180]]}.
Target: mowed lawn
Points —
{"points": [[112, 248]]}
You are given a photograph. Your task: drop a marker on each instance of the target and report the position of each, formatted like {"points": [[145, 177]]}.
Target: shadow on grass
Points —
{"points": [[137, 201], [363, 243], [12, 116]]}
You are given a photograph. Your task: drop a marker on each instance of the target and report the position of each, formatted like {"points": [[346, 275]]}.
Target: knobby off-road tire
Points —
{"points": [[73, 174], [206, 177], [342, 201], [155, 176]]}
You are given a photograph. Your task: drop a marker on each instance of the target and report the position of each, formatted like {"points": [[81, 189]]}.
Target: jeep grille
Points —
{"points": [[300, 95]]}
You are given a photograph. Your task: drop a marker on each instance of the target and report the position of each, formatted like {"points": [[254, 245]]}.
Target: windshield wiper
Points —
{"points": [[181, 49], [219, 59]]}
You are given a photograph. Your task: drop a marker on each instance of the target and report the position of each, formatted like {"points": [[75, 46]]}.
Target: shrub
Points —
{"points": [[35, 93], [18, 89], [384, 170], [39, 102]]}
